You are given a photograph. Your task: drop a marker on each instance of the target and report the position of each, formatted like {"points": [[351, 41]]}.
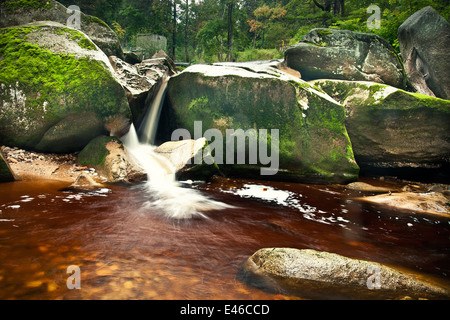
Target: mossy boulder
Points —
{"points": [[312, 139], [108, 156], [57, 89], [19, 12], [346, 55], [323, 275], [392, 128], [6, 174]]}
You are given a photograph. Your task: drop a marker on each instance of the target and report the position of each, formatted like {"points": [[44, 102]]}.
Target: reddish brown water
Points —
{"points": [[127, 251]]}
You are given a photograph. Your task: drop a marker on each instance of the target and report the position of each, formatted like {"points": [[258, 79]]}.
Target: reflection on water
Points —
{"points": [[126, 250]]}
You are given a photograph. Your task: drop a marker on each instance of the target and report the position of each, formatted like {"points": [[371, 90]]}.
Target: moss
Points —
{"points": [[54, 85], [28, 4], [323, 32], [95, 152], [91, 19]]}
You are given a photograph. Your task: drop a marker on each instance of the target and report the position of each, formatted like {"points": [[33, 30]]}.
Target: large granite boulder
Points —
{"points": [[323, 275], [17, 12], [424, 40], [346, 55], [392, 128], [312, 139], [57, 89]]}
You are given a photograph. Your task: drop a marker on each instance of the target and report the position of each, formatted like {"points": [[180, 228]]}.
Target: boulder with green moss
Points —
{"points": [[392, 128], [313, 144], [346, 55], [108, 156], [57, 89], [19, 12]]}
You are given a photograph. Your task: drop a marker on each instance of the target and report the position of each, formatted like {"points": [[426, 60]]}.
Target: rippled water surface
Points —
{"points": [[128, 250]]}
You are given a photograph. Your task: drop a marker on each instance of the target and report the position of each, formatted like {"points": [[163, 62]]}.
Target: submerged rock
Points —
{"points": [[392, 128], [424, 40], [108, 156], [346, 55], [6, 174], [15, 13], [82, 183], [317, 274], [313, 142], [365, 187], [58, 91], [427, 202]]}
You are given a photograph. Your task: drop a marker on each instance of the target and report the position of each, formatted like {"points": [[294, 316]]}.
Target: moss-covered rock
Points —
{"points": [[346, 55], [313, 142], [57, 90], [392, 128], [108, 156], [6, 174], [19, 12]]}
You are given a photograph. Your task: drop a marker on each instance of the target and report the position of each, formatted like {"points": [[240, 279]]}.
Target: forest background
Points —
{"points": [[199, 31]]}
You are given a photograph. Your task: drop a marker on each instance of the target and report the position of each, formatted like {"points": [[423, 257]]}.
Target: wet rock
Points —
{"points": [[187, 158], [108, 157], [365, 187], [427, 202], [82, 183], [6, 174], [346, 55], [424, 43], [317, 274]]}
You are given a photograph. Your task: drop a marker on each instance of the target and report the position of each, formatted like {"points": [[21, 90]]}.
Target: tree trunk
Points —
{"points": [[230, 32], [186, 32]]}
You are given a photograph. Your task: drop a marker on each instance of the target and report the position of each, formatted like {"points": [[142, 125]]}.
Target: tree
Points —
{"points": [[337, 5], [230, 31], [264, 16]]}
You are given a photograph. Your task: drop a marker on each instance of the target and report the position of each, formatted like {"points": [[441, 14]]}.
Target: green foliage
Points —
{"points": [[258, 54]]}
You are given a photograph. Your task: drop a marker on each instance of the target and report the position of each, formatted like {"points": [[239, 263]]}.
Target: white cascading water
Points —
{"points": [[165, 192]]}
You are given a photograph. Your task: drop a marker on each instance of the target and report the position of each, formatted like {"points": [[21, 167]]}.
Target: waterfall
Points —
{"points": [[151, 119], [165, 193]]}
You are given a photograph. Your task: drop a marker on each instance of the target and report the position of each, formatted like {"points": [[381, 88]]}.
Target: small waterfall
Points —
{"points": [[150, 123], [165, 193]]}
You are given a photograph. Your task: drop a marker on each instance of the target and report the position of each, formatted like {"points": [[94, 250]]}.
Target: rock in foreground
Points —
{"points": [[6, 174], [317, 275]]}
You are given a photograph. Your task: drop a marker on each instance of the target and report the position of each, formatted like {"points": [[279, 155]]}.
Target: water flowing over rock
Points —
{"points": [[142, 81], [392, 128], [6, 174], [424, 40], [346, 55], [15, 13], [317, 274], [313, 142], [58, 91], [187, 158]]}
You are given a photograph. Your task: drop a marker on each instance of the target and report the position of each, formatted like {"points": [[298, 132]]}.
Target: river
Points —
{"points": [[126, 249]]}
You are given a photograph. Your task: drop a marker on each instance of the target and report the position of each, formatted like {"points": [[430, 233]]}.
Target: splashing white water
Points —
{"points": [[165, 193]]}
